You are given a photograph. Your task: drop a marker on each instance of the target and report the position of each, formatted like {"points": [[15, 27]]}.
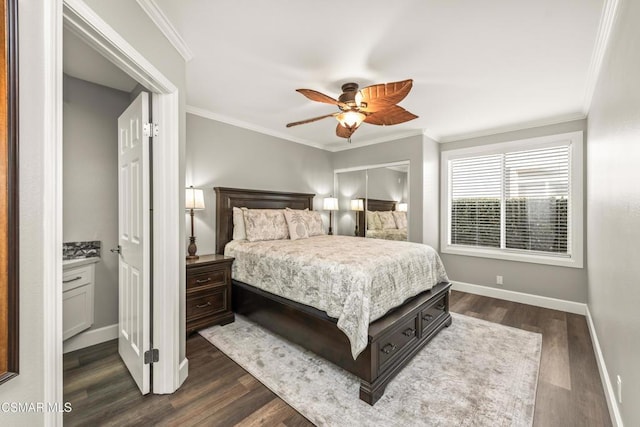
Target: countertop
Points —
{"points": [[71, 263]]}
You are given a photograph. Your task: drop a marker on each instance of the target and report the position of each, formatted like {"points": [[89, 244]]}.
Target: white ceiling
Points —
{"points": [[478, 67], [81, 61]]}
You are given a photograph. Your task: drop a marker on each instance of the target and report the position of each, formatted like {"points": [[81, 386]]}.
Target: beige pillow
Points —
{"points": [[297, 223], [239, 232], [373, 221], [265, 224], [386, 218], [400, 218], [314, 223], [315, 226]]}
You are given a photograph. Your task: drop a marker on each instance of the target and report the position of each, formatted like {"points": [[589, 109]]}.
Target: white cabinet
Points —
{"points": [[77, 298]]}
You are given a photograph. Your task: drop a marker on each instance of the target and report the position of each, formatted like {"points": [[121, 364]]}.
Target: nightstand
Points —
{"points": [[208, 292]]}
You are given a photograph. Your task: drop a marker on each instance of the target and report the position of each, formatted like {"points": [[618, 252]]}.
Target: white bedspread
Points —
{"points": [[353, 279]]}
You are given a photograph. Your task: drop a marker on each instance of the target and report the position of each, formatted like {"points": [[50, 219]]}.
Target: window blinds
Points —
{"points": [[476, 193], [515, 200]]}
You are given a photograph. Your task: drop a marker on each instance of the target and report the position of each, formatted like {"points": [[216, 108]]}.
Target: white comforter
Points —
{"points": [[355, 280]]}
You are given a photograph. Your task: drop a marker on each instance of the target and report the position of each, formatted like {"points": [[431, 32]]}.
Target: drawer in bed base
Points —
{"points": [[313, 330]]}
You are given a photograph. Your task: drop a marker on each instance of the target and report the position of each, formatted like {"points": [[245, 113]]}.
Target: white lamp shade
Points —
{"points": [[194, 198], [357, 205], [401, 207], [330, 204]]}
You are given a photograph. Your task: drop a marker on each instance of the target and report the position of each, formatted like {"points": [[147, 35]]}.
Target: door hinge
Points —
{"points": [[150, 129], [151, 356]]}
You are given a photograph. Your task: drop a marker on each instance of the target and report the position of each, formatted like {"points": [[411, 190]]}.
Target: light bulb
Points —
{"points": [[350, 119]]}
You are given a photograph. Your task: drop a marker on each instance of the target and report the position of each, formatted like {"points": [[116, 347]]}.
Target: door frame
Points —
{"points": [[168, 245]]}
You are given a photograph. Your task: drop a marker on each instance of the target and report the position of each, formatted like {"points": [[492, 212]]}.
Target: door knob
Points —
{"points": [[117, 250]]}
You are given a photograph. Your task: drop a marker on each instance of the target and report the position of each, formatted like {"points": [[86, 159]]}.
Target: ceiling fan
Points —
{"points": [[374, 104]]}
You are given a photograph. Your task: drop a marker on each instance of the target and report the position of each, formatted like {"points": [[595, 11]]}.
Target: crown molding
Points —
{"points": [[605, 29], [429, 134], [161, 21], [514, 127], [334, 147], [201, 112], [246, 125]]}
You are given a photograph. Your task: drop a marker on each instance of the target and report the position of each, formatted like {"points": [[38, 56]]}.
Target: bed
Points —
{"points": [[391, 340], [376, 205]]}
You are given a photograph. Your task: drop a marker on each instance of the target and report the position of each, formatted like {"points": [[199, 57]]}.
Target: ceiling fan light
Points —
{"points": [[351, 119]]}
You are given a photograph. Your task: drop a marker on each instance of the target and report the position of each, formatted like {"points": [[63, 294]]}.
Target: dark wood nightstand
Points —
{"points": [[208, 292]]}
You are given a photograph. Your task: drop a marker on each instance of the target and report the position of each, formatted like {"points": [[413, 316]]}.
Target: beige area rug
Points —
{"points": [[474, 373]]}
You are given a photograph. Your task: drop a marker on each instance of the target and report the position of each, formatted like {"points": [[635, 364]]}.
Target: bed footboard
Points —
{"points": [[393, 340]]}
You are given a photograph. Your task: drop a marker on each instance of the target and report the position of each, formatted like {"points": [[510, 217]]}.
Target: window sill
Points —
{"points": [[572, 262]]}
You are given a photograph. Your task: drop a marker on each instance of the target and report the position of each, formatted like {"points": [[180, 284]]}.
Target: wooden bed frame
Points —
{"points": [[373, 205], [393, 339]]}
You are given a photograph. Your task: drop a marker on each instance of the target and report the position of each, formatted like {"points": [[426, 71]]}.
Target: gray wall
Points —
{"points": [[430, 192], [550, 281], [387, 184], [410, 149], [90, 181], [221, 155], [613, 209], [35, 177], [350, 185]]}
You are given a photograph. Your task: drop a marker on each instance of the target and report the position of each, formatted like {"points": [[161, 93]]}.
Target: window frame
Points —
{"points": [[576, 217]]}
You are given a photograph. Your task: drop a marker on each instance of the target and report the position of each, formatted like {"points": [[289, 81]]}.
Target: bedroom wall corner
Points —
{"points": [[613, 214], [431, 192]]}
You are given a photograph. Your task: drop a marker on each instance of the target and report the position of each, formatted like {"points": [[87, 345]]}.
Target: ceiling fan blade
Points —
{"points": [[344, 132], [301, 122], [317, 96], [391, 115], [379, 97]]}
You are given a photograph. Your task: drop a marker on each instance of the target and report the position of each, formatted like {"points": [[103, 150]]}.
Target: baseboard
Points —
{"points": [[614, 411], [537, 300], [183, 371], [91, 337]]}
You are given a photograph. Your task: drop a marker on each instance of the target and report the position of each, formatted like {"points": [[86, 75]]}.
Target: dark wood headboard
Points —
{"points": [[228, 198], [373, 205]]}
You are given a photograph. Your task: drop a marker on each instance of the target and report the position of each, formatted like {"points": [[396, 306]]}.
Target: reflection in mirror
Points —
{"points": [[387, 202], [373, 201], [350, 186]]}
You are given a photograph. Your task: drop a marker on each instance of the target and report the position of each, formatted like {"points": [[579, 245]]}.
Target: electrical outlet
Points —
{"points": [[619, 389], [499, 280]]}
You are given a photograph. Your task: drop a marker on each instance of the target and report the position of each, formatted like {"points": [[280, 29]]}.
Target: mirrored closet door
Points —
{"points": [[373, 201]]}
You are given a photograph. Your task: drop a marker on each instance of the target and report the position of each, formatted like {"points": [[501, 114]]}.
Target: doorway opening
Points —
{"points": [[168, 244]]}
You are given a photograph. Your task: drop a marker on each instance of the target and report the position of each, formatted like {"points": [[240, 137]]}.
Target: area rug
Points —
{"points": [[473, 373]]}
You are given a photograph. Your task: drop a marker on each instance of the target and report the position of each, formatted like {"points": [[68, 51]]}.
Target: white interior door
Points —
{"points": [[133, 228]]}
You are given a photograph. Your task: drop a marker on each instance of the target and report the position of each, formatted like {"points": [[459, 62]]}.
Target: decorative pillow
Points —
{"points": [[373, 221], [297, 223], [265, 224], [401, 219], [239, 232], [314, 223], [386, 218]]}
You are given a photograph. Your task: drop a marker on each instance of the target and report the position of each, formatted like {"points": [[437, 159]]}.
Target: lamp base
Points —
{"points": [[192, 249]]}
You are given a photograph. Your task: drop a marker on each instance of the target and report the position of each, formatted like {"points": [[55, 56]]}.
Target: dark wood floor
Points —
{"points": [[220, 393]]}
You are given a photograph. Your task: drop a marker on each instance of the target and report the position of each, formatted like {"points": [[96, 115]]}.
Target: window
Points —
{"points": [[520, 200]]}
